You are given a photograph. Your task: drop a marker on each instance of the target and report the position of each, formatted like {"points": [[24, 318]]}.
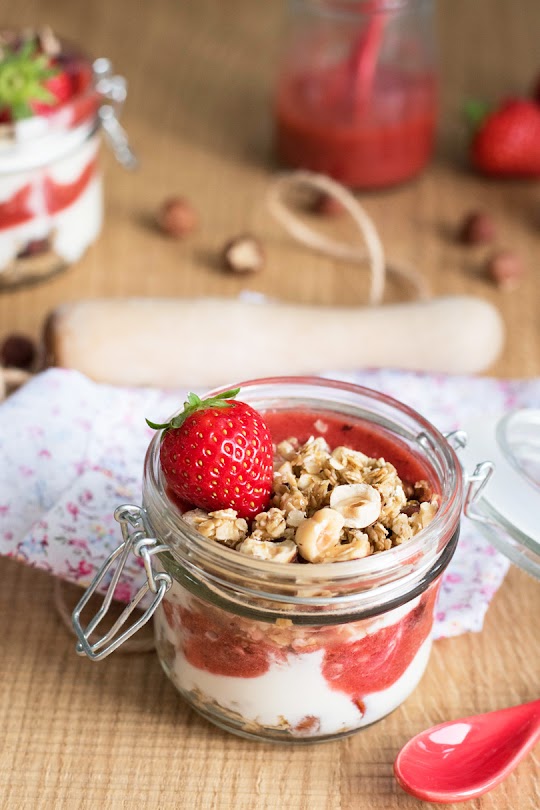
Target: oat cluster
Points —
{"points": [[326, 506]]}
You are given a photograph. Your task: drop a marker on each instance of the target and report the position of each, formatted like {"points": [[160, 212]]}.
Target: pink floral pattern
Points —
{"points": [[71, 451]]}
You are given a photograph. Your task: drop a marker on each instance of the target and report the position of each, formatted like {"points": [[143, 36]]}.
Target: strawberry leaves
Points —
{"points": [[193, 404], [23, 74]]}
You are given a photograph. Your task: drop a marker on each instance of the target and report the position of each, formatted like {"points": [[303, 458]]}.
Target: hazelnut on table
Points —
{"points": [[243, 254], [18, 351], [477, 228], [177, 217], [506, 269]]}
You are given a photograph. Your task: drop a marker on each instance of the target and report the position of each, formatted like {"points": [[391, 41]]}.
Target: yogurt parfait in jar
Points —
{"points": [[295, 531], [51, 102]]}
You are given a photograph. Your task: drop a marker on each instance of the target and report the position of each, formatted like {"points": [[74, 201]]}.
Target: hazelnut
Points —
{"points": [[477, 228], [411, 508], [48, 41], [326, 205], [408, 489], [506, 269], [422, 491], [177, 217], [243, 254], [18, 351]]}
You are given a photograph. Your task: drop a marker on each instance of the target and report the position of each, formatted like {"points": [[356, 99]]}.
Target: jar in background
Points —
{"points": [[356, 92], [51, 196], [295, 652]]}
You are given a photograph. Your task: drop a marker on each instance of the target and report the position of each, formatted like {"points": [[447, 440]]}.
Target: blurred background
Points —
{"points": [[199, 113]]}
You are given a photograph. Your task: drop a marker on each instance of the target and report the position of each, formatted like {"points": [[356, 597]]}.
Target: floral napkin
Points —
{"points": [[72, 450]]}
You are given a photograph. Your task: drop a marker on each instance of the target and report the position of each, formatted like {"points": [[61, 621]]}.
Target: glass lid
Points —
{"points": [[508, 508]]}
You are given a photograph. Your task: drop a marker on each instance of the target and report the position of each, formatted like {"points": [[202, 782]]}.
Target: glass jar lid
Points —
{"points": [[508, 507]]}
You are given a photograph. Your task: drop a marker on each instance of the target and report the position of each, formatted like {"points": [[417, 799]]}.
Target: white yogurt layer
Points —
{"points": [[72, 229], [292, 690]]}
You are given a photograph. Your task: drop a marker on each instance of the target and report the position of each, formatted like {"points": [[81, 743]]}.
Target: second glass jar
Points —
{"points": [[356, 93]]}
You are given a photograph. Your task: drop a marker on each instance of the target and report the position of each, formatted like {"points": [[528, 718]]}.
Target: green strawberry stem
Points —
{"points": [[193, 404], [476, 112], [23, 73]]}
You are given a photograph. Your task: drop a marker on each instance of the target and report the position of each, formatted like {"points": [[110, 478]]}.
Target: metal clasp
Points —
{"points": [[457, 439], [135, 539], [113, 90], [476, 484]]}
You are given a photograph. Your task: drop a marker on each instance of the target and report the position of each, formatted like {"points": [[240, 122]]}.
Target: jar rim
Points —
{"points": [[401, 566], [353, 9]]}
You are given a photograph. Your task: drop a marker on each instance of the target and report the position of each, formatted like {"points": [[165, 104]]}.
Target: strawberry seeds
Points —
{"points": [[217, 454]]}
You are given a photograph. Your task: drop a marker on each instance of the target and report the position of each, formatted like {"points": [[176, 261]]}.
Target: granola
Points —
{"points": [[326, 506]]}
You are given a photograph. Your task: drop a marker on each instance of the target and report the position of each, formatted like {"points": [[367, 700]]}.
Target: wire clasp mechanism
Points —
{"points": [[136, 540], [476, 484], [112, 90]]}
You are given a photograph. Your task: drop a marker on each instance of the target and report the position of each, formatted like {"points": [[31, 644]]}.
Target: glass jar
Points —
{"points": [[294, 652], [356, 93], [51, 197]]}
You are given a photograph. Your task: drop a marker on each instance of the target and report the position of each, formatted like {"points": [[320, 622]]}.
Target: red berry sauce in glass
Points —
{"points": [[218, 642]]}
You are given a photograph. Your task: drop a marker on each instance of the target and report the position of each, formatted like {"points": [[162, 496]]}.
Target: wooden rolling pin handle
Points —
{"points": [[204, 342]]}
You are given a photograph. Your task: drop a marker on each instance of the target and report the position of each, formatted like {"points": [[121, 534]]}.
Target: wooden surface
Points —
{"points": [[115, 735]]}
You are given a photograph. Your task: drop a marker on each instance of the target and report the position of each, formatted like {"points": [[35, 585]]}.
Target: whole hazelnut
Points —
{"points": [[18, 351], [177, 217], [243, 254], [506, 269], [477, 228], [326, 205]]}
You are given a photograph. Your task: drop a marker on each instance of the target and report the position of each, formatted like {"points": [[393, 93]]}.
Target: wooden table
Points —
{"points": [[115, 735]]}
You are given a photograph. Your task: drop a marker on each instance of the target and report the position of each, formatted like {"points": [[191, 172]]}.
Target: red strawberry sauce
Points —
{"points": [[353, 433], [320, 128], [78, 104], [54, 197], [226, 644]]}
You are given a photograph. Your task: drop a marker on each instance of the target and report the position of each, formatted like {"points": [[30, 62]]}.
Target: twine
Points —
{"points": [[372, 253]]}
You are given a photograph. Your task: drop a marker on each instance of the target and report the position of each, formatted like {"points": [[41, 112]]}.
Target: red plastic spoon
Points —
{"points": [[462, 759]]}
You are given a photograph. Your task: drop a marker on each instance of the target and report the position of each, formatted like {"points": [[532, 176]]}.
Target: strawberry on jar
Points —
{"points": [[32, 82], [217, 454]]}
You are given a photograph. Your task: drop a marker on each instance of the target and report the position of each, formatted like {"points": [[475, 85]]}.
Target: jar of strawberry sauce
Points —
{"points": [[51, 197], [356, 91], [293, 652]]}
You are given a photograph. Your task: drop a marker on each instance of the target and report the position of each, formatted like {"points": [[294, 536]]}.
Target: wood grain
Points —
{"points": [[114, 735]]}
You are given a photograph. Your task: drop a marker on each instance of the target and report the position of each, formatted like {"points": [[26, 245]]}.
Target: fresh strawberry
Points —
{"points": [[507, 143], [60, 86], [217, 454], [30, 82]]}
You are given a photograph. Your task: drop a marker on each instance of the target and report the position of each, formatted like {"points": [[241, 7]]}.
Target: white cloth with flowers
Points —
{"points": [[71, 451]]}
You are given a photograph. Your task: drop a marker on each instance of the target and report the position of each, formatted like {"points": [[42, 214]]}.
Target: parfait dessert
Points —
{"points": [[298, 494], [50, 182]]}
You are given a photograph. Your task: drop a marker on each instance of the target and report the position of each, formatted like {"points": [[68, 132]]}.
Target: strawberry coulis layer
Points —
{"points": [[54, 197], [220, 643]]}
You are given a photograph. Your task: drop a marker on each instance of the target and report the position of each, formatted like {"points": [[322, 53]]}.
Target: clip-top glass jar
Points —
{"points": [[51, 205], [356, 92], [295, 652]]}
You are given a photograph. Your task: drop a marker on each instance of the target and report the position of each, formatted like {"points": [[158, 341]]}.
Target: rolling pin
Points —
{"points": [[208, 341]]}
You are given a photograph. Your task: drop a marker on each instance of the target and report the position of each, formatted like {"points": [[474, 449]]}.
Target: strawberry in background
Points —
{"points": [[507, 140]]}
